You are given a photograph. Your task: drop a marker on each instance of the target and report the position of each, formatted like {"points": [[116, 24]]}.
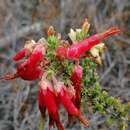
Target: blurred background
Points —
{"points": [[29, 19]]}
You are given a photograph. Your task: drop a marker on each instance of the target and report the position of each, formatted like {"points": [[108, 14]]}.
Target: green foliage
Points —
{"points": [[110, 107], [52, 44], [65, 67], [80, 35], [89, 74]]}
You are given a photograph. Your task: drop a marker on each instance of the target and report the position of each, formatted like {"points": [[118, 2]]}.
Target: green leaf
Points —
{"points": [[110, 121], [110, 101]]}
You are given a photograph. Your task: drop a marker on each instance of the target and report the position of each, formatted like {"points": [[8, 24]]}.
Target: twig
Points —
{"points": [[107, 71]]}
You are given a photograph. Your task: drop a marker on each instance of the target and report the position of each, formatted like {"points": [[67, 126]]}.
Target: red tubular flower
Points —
{"points": [[20, 54], [65, 99], [30, 69], [76, 50], [26, 51], [46, 98], [76, 80], [30, 73], [36, 56], [25, 73]]}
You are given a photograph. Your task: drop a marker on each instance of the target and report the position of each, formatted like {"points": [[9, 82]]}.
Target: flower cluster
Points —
{"points": [[62, 69]]}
